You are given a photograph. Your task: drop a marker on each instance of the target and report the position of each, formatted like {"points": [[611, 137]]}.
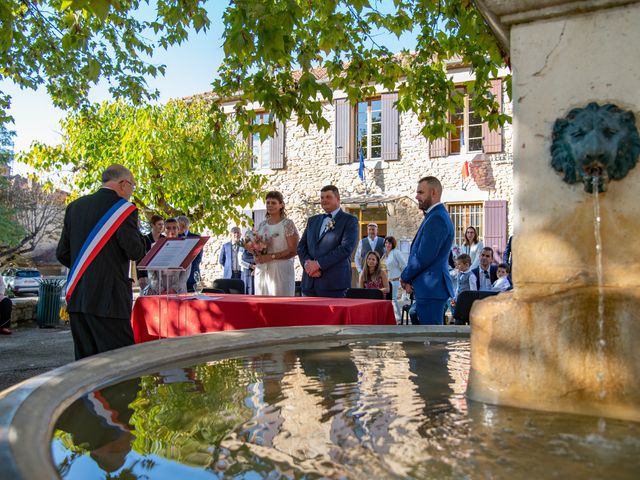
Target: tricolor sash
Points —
{"points": [[99, 236]]}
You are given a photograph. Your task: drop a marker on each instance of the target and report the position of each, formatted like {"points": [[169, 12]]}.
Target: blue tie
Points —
{"points": [[326, 215]]}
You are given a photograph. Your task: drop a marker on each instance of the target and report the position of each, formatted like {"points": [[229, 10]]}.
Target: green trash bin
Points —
{"points": [[48, 310]]}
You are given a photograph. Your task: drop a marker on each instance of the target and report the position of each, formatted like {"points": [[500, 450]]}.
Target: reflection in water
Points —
{"points": [[377, 410]]}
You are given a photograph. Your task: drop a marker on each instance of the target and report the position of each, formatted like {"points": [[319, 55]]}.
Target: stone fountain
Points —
{"points": [[567, 337]]}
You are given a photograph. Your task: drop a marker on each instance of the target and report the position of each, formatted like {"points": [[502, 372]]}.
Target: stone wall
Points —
{"points": [[23, 311], [310, 164]]}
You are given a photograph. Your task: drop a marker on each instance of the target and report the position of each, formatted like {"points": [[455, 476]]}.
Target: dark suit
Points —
{"points": [[195, 265], [427, 269], [246, 262], [493, 274], [100, 306], [332, 250]]}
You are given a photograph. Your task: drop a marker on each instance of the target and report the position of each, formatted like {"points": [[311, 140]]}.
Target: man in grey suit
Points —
{"points": [[371, 242], [230, 255], [325, 248]]}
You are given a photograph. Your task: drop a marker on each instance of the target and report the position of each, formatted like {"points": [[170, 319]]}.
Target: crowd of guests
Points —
{"points": [[377, 259], [101, 236]]}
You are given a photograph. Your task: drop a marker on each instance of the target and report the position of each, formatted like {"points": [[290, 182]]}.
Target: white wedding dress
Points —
{"points": [[276, 277]]}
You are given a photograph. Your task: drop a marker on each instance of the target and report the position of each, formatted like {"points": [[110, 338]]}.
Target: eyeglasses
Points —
{"points": [[133, 185]]}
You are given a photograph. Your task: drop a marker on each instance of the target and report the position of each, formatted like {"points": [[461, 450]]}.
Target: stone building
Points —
{"points": [[475, 167]]}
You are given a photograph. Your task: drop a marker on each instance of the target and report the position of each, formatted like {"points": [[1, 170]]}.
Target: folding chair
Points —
{"points": [[464, 302], [229, 285], [370, 293]]}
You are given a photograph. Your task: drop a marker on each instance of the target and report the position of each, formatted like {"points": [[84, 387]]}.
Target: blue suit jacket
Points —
{"points": [[225, 259], [427, 269], [332, 250], [195, 265]]}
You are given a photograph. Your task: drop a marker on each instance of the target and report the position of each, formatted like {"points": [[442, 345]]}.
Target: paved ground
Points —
{"points": [[31, 351]]}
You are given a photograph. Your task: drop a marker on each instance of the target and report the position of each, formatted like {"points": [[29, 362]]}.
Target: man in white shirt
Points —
{"points": [[371, 242]]}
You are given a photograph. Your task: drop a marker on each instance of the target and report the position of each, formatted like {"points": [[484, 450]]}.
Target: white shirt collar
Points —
{"points": [[432, 207]]}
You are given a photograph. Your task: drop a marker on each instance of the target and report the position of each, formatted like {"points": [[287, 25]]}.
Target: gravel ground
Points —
{"points": [[30, 351]]}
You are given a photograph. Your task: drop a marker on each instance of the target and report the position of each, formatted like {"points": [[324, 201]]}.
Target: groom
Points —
{"points": [[325, 248]]}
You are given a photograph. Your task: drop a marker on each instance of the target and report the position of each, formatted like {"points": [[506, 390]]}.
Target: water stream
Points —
{"points": [[601, 343]]}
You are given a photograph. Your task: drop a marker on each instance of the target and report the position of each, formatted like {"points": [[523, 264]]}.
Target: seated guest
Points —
{"points": [[5, 311], [372, 275], [161, 282], [463, 276], [157, 227], [486, 273], [502, 284]]}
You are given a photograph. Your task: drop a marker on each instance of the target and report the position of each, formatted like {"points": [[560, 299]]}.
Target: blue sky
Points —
{"points": [[191, 67]]}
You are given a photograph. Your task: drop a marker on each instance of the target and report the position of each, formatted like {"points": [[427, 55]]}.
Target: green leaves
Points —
{"points": [[183, 163], [68, 45], [332, 44]]}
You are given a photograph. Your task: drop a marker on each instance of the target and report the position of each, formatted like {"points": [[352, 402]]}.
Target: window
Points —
{"points": [[465, 215], [468, 136], [370, 214], [471, 135], [373, 124], [369, 129], [261, 150]]}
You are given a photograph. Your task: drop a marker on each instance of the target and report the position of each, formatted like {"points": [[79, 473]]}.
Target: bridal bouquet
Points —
{"points": [[255, 243]]}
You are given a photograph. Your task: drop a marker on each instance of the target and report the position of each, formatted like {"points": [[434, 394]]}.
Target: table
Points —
{"points": [[156, 317]]}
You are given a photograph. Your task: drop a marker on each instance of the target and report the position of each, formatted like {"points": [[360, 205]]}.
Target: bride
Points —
{"points": [[275, 273]]}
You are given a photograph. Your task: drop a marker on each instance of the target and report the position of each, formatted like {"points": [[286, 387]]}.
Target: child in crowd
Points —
{"points": [[463, 277], [502, 284], [372, 275]]}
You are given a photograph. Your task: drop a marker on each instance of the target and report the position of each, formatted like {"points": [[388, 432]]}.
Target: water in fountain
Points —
{"points": [[601, 341], [374, 409]]}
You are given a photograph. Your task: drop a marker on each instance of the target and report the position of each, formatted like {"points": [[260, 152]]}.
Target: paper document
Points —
{"points": [[172, 254]]}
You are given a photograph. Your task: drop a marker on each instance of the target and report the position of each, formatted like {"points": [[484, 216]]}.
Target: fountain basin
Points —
{"points": [[534, 350], [403, 413], [29, 410]]}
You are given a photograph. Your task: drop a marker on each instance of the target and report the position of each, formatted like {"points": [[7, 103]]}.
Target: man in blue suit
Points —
{"points": [[325, 248], [427, 273], [183, 223]]}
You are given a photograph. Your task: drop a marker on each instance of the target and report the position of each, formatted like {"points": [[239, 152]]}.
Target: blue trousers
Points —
{"points": [[430, 312]]}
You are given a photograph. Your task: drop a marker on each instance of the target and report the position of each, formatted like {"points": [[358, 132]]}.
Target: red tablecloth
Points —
{"points": [[158, 316]]}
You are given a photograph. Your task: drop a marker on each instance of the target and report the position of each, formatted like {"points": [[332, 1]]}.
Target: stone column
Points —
{"points": [[541, 346]]}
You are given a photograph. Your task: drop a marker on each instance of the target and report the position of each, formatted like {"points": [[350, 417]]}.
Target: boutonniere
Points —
{"points": [[331, 224]]}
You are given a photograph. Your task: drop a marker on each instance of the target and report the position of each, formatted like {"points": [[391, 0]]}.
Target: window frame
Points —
{"points": [[464, 138], [459, 230], [260, 165], [356, 140]]}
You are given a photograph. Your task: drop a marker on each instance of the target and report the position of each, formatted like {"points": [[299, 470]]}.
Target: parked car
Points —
{"points": [[22, 280]]}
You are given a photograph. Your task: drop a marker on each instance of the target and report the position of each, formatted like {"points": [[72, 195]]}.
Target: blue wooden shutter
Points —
{"points": [[343, 131], [492, 139], [495, 226], [390, 127], [276, 149]]}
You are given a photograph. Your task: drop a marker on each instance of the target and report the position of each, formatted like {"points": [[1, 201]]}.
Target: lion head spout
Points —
{"points": [[600, 141]]}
